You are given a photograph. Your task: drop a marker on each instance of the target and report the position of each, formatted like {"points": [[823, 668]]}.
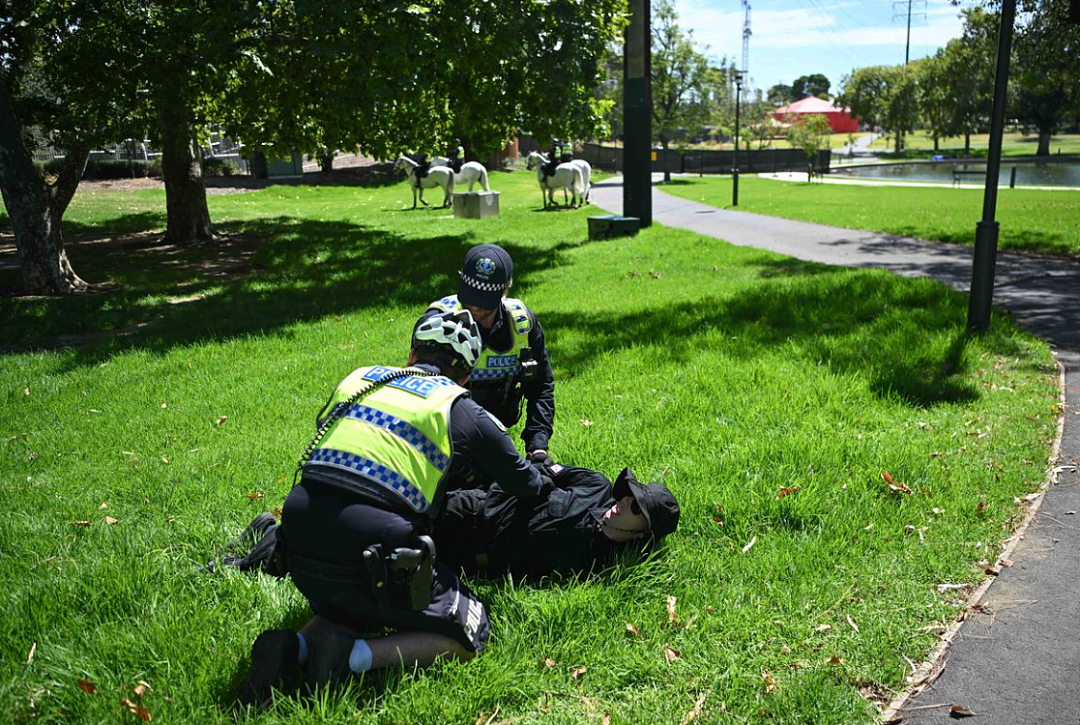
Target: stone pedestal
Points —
{"points": [[476, 204], [610, 226]]}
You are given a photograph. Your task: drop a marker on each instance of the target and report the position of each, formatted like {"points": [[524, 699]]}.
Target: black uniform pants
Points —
{"points": [[326, 531]]}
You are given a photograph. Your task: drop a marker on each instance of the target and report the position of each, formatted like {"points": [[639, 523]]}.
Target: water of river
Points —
{"points": [[1027, 173]]}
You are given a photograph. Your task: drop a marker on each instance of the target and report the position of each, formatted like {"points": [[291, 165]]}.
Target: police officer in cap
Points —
{"points": [[456, 156], [513, 368], [355, 530]]}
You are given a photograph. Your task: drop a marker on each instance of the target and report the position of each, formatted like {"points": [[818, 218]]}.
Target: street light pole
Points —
{"points": [[986, 231], [735, 156]]}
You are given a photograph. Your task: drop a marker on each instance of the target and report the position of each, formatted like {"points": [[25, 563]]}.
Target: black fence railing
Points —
{"points": [[704, 161]]}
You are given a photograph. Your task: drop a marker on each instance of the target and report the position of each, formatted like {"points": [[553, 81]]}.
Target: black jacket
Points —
{"points": [[559, 533]]}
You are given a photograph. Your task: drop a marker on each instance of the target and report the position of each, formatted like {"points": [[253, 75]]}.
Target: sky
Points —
{"points": [[790, 38]]}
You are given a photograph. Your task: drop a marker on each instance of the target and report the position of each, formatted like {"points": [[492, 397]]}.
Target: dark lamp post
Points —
{"points": [[986, 231], [735, 156]]}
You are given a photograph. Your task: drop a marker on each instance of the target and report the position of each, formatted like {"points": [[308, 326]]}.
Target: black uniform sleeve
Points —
{"points": [[480, 442], [539, 394]]}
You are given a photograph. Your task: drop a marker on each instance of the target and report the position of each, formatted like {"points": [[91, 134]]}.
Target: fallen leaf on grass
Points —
{"points": [[80, 523], [958, 711], [221, 419], [835, 661], [138, 710], [30, 657], [254, 495], [632, 629], [142, 688], [170, 519], [164, 459], [87, 686], [606, 719], [584, 422], [549, 663], [104, 505], [951, 587], [671, 616], [770, 682], [32, 457], [851, 622], [110, 520], [277, 513], [788, 491], [695, 710], [823, 628], [749, 545], [671, 654], [26, 391], [991, 571], [980, 506], [164, 405], [578, 672]]}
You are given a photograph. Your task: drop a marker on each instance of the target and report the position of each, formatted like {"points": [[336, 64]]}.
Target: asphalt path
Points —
{"points": [[1015, 661]]}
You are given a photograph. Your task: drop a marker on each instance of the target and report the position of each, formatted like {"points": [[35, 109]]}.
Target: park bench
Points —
{"points": [[959, 174]]}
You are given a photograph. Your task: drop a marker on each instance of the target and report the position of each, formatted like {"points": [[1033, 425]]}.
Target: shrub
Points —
{"points": [[217, 166]]}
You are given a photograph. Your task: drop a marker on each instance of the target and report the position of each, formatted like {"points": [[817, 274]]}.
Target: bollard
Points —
{"points": [[1012, 178]]}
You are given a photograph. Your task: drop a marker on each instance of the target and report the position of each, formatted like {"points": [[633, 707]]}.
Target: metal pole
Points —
{"points": [[637, 111], [735, 156], [907, 44], [986, 231]]}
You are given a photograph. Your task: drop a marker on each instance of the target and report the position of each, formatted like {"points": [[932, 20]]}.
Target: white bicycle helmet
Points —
{"points": [[454, 330]]}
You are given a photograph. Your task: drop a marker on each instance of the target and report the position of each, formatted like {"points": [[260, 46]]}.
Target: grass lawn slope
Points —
{"points": [[769, 394], [1046, 222]]}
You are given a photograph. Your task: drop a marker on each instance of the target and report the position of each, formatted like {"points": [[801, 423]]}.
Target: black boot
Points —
{"points": [[328, 659], [275, 665]]}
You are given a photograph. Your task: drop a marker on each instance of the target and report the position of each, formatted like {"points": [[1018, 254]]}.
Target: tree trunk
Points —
{"points": [[327, 161], [967, 143], [188, 218], [664, 159], [1044, 143], [899, 138], [936, 149], [35, 216]]}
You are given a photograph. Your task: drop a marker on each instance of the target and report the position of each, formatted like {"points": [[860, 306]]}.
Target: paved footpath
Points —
{"points": [[1017, 660]]}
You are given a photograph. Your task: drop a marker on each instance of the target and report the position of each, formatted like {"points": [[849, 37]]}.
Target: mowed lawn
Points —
{"points": [[1013, 143], [769, 394], [1046, 222]]}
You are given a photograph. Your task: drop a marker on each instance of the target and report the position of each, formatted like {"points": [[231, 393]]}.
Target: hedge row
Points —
{"points": [[110, 169]]}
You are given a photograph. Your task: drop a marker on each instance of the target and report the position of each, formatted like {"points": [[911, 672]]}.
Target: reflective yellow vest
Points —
{"points": [[495, 366], [396, 437]]}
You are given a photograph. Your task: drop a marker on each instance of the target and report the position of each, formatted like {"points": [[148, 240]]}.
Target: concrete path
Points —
{"points": [[1017, 661]]}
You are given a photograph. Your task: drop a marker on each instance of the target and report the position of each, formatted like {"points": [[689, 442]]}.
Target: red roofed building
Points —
{"points": [[840, 119]]}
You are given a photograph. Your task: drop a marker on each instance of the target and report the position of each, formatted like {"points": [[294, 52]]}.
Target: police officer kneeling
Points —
{"points": [[354, 530]]}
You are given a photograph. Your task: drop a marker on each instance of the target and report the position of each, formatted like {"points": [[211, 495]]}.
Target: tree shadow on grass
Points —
{"points": [[268, 274], [906, 337]]}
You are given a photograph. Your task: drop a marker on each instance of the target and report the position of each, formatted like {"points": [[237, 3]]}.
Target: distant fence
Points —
{"points": [[704, 161]]}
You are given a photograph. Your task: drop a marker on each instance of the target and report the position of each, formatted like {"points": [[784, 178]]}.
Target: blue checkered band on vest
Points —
{"points": [[373, 471], [405, 431], [478, 375]]}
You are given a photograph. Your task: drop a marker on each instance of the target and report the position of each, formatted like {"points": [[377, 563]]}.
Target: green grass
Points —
{"points": [[1036, 221], [920, 145], [727, 373]]}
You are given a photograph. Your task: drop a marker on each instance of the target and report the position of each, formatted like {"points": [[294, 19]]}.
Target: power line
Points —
{"points": [[897, 16]]}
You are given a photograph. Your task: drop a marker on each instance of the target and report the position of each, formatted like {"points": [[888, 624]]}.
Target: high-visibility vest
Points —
{"points": [[495, 366], [395, 438]]}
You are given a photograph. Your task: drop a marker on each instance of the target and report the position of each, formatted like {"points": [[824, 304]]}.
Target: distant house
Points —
{"points": [[840, 119]]}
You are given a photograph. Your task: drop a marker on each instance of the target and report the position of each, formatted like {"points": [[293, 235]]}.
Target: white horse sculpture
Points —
{"points": [[567, 176], [472, 172], [441, 176]]}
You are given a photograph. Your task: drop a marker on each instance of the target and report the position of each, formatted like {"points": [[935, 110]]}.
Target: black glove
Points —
{"points": [[542, 458], [546, 486]]}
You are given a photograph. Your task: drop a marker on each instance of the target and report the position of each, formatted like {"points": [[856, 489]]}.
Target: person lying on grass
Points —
{"points": [[354, 533], [579, 527]]}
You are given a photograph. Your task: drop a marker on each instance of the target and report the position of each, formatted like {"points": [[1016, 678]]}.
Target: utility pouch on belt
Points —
{"points": [[402, 578], [530, 368]]}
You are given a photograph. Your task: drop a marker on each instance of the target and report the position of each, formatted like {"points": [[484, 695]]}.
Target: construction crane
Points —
{"points": [[745, 40]]}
